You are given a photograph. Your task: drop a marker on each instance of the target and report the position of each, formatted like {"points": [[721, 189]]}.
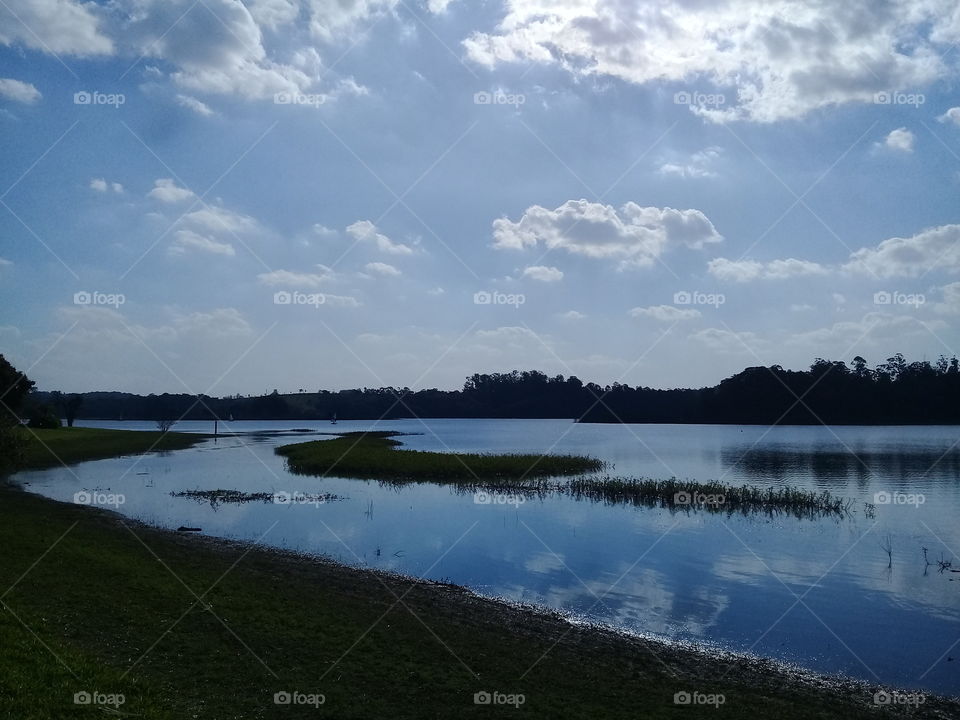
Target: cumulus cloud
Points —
{"points": [[166, 190], [937, 247], [18, 91], [191, 103], [185, 240], [101, 185], [950, 300], [572, 315], [215, 218], [366, 231], [872, 328], [543, 273], [5, 263], [634, 235], [746, 270], [665, 313], [900, 140], [780, 58], [952, 115], [384, 269], [58, 26]]}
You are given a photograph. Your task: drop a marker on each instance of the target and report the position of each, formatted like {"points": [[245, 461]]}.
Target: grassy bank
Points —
{"points": [[374, 455], [187, 626], [48, 448]]}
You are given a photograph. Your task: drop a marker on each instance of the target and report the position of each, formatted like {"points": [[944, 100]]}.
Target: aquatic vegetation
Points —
{"points": [[374, 455], [710, 497], [217, 497]]}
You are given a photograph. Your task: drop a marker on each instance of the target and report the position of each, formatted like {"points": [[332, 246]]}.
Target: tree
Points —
{"points": [[71, 405], [14, 388]]}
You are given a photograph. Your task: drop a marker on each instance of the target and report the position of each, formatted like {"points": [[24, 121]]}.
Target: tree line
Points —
{"points": [[832, 392]]}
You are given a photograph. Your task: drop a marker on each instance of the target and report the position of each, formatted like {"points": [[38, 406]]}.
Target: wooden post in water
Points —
{"points": [[215, 423]]}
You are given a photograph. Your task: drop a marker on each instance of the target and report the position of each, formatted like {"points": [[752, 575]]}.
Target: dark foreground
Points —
{"points": [[190, 627]]}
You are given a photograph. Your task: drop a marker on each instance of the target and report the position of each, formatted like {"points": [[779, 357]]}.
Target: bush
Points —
{"points": [[44, 418]]}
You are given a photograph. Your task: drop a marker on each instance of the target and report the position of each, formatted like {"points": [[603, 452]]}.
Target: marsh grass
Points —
{"points": [[45, 448], [218, 497], [374, 455]]}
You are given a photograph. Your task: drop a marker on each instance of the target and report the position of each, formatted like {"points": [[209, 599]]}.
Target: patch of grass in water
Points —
{"points": [[374, 455], [217, 497], [48, 448]]}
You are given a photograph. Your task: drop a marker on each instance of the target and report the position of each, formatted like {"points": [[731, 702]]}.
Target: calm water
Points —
{"points": [[815, 592]]}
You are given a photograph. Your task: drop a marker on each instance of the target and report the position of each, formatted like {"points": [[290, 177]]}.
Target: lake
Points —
{"points": [[821, 594]]}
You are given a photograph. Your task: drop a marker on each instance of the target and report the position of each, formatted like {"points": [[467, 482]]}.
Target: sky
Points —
{"points": [[224, 197]]}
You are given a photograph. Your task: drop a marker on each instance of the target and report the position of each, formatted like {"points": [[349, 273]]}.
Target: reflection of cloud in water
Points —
{"points": [[640, 601]]}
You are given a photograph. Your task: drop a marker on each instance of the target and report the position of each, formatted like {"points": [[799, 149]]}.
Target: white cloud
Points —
{"points": [[937, 247], [22, 92], [191, 103], [366, 231], [698, 166], [166, 190], [846, 336], [950, 303], [635, 235], [746, 270], [438, 7], [572, 315], [436, 292], [184, 240], [5, 263], [543, 273], [215, 218], [101, 185], [384, 269], [775, 59], [288, 278], [900, 140], [58, 26], [951, 115], [665, 313]]}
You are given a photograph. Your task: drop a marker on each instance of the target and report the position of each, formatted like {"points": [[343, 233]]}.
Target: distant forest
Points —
{"points": [[894, 392]]}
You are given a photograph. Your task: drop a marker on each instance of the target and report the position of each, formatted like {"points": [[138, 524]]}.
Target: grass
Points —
{"points": [[45, 448], [374, 455], [711, 497], [217, 497], [194, 627]]}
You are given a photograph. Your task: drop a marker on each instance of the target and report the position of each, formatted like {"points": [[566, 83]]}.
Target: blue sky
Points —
{"points": [[654, 194]]}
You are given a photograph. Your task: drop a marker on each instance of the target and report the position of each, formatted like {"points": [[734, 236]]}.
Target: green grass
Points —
{"points": [[374, 455], [46, 448]]}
